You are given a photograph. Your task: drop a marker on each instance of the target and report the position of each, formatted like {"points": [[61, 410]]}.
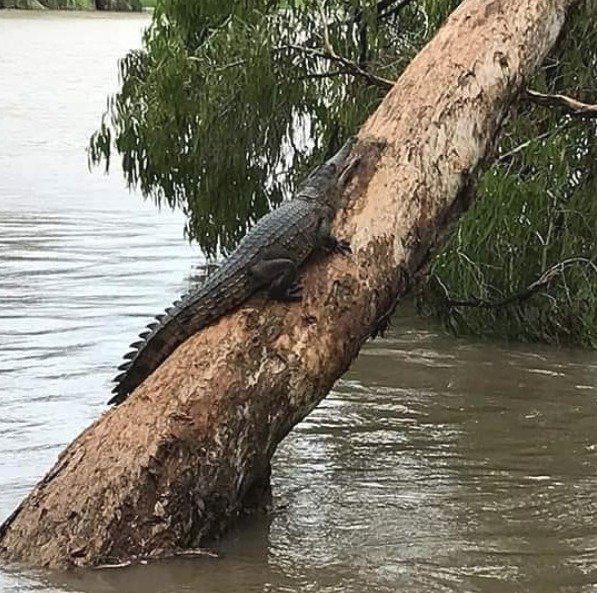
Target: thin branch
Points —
{"points": [[523, 145], [380, 7], [393, 11], [354, 68], [187, 553], [568, 104], [362, 35], [214, 68], [351, 67], [326, 33], [330, 74], [524, 294]]}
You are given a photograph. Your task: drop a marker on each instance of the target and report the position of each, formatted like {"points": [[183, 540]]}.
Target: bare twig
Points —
{"points": [[330, 74], [394, 10], [188, 553], [384, 5], [524, 294], [351, 67], [217, 68], [508, 155], [568, 104]]}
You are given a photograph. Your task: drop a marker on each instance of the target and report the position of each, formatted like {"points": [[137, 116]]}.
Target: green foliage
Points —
{"points": [[229, 101], [536, 206]]}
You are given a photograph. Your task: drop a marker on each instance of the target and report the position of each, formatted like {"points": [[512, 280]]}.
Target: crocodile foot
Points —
{"points": [[294, 293], [342, 247]]}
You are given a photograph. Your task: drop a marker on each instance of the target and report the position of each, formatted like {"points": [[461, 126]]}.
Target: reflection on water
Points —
{"points": [[434, 465]]}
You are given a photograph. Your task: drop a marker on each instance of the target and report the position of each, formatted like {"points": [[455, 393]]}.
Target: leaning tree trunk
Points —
{"points": [[180, 458]]}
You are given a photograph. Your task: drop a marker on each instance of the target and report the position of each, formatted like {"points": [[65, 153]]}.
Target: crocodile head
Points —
{"points": [[321, 183]]}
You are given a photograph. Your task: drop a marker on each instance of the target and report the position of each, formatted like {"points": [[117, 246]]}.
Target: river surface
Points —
{"points": [[434, 465]]}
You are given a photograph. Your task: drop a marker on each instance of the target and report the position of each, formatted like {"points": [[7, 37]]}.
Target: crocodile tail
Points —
{"points": [[161, 337], [157, 342]]}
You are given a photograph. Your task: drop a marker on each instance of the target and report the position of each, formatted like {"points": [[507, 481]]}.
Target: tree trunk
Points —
{"points": [[174, 464]]}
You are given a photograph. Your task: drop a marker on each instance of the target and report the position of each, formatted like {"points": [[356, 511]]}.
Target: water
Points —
{"points": [[434, 465]]}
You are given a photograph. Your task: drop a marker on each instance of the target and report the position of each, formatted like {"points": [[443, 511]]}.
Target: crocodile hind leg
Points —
{"points": [[279, 275], [328, 243]]}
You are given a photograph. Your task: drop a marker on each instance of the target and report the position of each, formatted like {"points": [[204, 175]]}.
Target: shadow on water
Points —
{"points": [[434, 465]]}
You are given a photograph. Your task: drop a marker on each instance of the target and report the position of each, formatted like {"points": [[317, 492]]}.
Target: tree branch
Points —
{"points": [[393, 11], [568, 104], [521, 295], [508, 155], [383, 5], [330, 74], [351, 67], [361, 25]]}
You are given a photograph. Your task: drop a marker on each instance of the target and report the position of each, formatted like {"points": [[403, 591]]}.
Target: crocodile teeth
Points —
{"points": [[169, 310], [160, 318], [125, 366], [144, 335], [119, 378], [152, 326], [130, 355], [137, 345]]}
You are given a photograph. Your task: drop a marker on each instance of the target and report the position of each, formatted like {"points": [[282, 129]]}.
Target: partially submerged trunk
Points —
{"points": [[174, 464]]}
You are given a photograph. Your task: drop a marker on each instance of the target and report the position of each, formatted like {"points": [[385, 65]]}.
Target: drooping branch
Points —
{"points": [[383, 9], [522, 295], [350, 67], [329, 53], [567, 104]]}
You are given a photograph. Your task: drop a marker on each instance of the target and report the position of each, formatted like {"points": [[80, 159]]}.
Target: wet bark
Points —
{"points": [[181, 458]]}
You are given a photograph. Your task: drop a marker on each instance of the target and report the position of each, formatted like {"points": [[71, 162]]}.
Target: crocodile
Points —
{"points": [[267, 257]]}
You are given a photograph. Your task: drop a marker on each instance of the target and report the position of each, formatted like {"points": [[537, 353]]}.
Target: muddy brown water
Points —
{"points": [[434, 465]]}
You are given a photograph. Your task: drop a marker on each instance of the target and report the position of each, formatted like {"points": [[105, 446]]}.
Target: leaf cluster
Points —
{"points": [[229, 102], [536, 206]]}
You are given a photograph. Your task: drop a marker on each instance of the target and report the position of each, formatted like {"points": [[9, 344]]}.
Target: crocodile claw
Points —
{"points": [[342, 247], [294, 293]]}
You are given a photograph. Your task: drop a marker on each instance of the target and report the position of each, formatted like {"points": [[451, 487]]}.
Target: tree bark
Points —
{"points": [[173, 465]]}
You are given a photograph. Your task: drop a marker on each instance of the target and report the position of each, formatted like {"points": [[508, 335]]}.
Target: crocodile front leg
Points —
{"points": [[328, 243], [279, 275]]}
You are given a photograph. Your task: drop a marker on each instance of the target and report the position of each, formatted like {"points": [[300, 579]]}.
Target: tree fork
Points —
{"points": [[173, 465]]}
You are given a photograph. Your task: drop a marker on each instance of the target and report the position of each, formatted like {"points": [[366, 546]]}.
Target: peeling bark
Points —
{"points": [[173, 465]]}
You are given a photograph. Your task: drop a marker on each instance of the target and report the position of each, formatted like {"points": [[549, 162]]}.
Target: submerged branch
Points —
{"points": [[568, 104], [522, 295]]}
